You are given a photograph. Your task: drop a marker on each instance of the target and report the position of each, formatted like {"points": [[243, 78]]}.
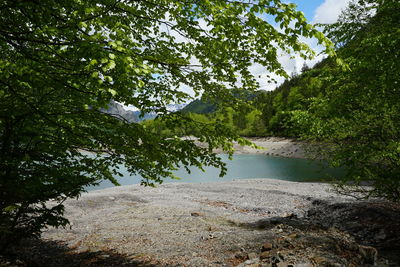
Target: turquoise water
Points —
{"points": [[246, 167]]}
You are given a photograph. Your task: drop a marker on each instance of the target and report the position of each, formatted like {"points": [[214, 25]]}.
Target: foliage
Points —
{"points": [[360, 114], [353, 110], [245, 119], [357, 115], [246, 122], [63, 61], [279, 106]]}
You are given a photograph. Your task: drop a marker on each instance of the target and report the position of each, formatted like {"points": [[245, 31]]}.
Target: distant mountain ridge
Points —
{"points": [[152, 115], [117, 110], [200, 107]]}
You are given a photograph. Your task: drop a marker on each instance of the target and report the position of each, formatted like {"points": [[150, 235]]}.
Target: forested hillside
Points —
{"points": [[359, 113], [294, 94], [353, 109], [200, 107]]}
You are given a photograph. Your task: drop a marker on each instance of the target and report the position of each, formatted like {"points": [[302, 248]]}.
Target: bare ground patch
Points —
{"points": [[258, 222]]}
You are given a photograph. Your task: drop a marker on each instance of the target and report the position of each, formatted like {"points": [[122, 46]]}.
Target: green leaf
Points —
{"points": [[112, 91]]}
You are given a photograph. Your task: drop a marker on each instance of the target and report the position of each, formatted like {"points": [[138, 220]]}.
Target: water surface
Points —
{"points": [[246, 167]]}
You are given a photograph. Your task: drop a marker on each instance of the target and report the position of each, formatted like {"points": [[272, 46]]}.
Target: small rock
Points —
{"points": [[252, 256], [82, 249], [380, 235], [111, 198], [303, 265], [280, 255], [265, 255], [248, 264], [195, 261], [104, 256], [275, 259], [19, 262], [289, 215], [267, 246], [369, 254], [293, 235], [320, 261], [241, 255]]}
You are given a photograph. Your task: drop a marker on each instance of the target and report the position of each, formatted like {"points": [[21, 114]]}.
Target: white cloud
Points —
{"points": [[329, 11]]}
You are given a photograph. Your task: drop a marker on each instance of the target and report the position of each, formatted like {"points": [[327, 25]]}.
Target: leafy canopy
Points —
{"points": [[358, 117], [353, 113], [63, 61]]}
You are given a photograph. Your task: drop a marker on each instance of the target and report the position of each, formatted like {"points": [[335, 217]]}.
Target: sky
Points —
{"points": [[307, 6], [316, 11], [320, 11]]}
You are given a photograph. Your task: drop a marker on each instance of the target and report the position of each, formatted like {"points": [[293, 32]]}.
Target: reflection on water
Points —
{"points": [[246, 167]]}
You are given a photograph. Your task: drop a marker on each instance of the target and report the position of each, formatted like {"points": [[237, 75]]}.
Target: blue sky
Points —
{"points": [[307, 6], [316, 11], [320, 11]]}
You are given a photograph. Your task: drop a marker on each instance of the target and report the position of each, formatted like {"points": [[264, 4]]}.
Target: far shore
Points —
{"points": [[272, 146]]}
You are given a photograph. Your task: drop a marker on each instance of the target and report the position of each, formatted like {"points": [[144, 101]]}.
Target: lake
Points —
{"points": [[246, 166]]}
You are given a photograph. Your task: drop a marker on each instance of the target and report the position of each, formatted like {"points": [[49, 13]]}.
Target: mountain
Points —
{"points": [[152, 115], [199, 106], [118, 111], [146, 116], [176, 107]]}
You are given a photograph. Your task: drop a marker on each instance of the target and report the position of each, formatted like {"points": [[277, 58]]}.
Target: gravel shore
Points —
{"points": [[251, 222], [178, 223], [273, 146], [212, 224]]}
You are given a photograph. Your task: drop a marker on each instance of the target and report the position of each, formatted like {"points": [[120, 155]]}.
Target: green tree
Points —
{"points": [[254, 124], [63, 61], [359, 116]]}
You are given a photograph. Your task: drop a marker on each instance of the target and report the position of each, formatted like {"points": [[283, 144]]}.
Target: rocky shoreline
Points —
{"points": [[272, 146], [256, 222]]}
